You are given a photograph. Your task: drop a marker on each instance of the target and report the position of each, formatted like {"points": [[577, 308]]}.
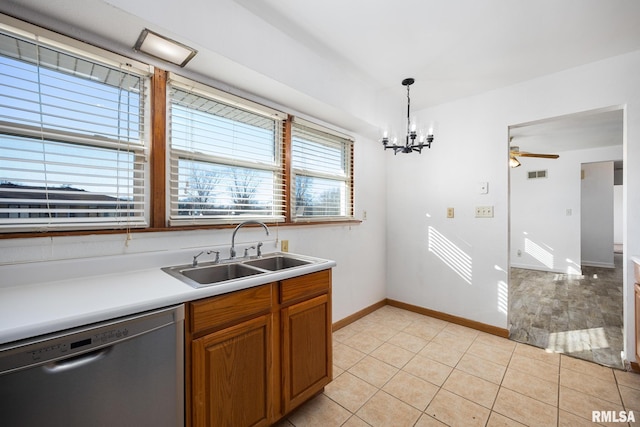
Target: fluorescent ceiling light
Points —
{"points": [[163, 48]]}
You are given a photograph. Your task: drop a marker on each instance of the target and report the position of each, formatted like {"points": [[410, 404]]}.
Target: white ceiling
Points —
{"points": [[581, 131], [299, 52], [455, 48]]}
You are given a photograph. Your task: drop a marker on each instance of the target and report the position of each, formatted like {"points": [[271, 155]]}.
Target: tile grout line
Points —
{"points": [[477, 339]]}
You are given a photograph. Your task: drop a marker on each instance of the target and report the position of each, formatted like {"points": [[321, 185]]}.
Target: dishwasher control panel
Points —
{"points": [[78, 341], [66, 347]]}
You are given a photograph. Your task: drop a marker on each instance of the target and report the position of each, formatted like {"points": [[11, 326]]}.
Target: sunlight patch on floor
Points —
{"points": [[578, 340], [559, 277]]}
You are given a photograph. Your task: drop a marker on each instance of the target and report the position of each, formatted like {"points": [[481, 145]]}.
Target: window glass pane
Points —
{"points": [[322, 177], [317, 157], [102, 102], [71, 141], [213, 190], [225, 162], [93, 170], [206, 126], [317, 197]]}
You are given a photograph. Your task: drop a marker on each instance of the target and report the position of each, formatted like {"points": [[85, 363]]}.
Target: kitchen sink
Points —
{"points": [[225, 271], [218, 273], [211, 274], [278, 262]]}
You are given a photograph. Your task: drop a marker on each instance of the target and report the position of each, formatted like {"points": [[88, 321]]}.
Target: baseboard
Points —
{"points": [[597, 264], [635, 367], [536, 268], [490, 329], [358, 315]]}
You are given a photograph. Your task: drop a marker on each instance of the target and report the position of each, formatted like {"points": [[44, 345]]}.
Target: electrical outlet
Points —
{"points": [[484, 211], [450, 212], [284, 246]]}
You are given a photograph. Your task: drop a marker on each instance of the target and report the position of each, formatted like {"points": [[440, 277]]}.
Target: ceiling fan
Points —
{"points": [[515, 152]]}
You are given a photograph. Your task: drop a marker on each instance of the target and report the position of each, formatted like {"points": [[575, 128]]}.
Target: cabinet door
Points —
{"points": [[306, 350], [232, 374]]}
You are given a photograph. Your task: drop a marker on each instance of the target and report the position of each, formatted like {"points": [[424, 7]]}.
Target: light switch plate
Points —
{"points": [[483, 187]]}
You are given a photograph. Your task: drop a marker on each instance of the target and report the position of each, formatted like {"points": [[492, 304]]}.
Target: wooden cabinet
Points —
{"points": [[254, 355], [306, 338], [233, 375], [230, 369]]}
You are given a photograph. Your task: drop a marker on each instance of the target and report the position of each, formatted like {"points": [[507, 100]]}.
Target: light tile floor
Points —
{"points": [[399, 368]]}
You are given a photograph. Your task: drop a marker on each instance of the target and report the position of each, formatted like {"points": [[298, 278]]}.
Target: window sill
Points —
{"points": [[172, 229]]}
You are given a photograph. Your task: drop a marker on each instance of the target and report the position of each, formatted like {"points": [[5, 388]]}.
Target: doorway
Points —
{"points": [[558, 299]]}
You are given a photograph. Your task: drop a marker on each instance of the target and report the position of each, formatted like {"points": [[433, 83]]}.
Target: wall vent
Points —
{"points": [[537, 174]]}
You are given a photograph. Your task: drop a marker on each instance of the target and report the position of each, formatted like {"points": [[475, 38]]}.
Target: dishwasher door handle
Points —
{"points": [[75, 362]]}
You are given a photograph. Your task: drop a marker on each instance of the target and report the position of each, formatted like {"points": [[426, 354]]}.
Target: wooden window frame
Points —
{"points": [[158, 182]]}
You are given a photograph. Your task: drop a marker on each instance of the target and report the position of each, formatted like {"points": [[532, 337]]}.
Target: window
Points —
{"points": [[72, 139], [77, 151], [321, 162], [225, 157]]}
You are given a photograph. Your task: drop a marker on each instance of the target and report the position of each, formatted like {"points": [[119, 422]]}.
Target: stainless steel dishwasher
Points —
{"points": [[124, 372]]}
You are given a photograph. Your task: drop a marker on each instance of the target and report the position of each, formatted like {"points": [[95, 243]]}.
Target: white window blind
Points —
{"points": [[321, 166], [225, 158], [72, 151]]}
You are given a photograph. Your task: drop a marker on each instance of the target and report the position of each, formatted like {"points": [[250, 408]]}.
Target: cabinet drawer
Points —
{"points": [[305, 286], [220, 311]]}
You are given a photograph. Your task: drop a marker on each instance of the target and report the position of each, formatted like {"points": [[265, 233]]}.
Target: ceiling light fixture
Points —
{"points": [[513, 162], [164, 48], [410, 139]]}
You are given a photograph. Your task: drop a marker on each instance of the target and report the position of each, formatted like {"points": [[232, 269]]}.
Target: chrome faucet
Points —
{"points": [[246, 251], [242, 224], [195, 257], [194, 263]]}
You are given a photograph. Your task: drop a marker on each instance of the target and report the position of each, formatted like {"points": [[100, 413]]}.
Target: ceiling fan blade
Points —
{"points": [[543, 156], [515, 151]]}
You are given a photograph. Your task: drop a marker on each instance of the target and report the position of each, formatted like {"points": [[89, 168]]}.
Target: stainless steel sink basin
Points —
{"points": [[218, 273], [278, 262], [212, 274]]}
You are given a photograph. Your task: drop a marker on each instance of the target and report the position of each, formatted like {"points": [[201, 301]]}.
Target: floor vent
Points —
{"points": [[537, 174]]}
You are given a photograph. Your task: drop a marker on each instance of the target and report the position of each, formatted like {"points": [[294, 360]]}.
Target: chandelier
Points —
{"points": [[410, 144]]}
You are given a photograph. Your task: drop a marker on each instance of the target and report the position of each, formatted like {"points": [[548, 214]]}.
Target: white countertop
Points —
{"points": [[31, 309]]}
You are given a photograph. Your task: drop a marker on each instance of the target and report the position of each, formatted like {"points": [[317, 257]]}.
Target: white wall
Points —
{"points": [[471, 145], [597, 215], [618, 192], [546, 213]]}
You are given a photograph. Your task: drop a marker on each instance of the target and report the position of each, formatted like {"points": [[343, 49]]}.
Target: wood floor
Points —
{"points": [[578, 315]]}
